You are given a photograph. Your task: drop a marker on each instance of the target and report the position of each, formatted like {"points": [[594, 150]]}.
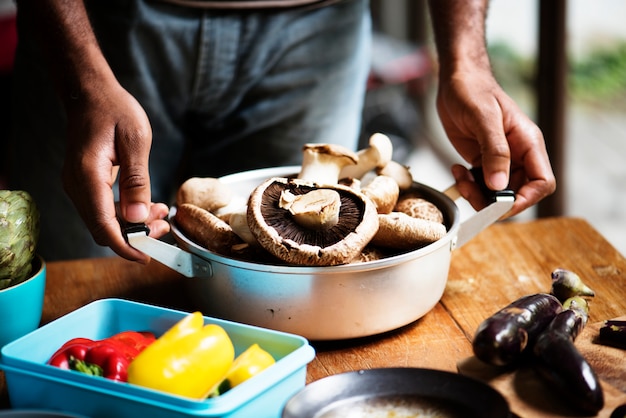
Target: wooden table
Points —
{"points": [[504, 262]]}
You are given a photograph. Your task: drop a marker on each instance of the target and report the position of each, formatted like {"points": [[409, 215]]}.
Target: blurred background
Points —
{"points": [[563, 61]]}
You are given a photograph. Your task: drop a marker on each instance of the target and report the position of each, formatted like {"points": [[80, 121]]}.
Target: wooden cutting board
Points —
{"points": [[530, 397]]}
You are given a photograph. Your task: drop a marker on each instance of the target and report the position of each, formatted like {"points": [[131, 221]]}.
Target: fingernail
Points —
{"points": [[499, 180], [136, 212]]}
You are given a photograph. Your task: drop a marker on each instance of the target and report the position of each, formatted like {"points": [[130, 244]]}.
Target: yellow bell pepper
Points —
{"points": [[248, 364], [188, 360]]}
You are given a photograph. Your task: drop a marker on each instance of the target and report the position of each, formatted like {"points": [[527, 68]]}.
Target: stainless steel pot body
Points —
{"points": [[325, 303]]}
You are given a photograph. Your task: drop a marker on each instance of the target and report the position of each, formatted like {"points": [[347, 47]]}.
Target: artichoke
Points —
{"points": [[19, 233]]}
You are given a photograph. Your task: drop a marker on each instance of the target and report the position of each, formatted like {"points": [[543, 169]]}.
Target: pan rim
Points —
{"points": [[317, 397]]}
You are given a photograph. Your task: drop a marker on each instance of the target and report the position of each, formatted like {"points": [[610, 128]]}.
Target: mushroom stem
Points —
{"points": [[236, 204], [384, 192], [238, 221], [377, 155], [317, 209], [322, 163]]}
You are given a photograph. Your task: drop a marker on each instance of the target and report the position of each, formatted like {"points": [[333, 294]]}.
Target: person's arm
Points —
{"points": [[106, 127], [482, 122], [70, 46], [459, 27]]}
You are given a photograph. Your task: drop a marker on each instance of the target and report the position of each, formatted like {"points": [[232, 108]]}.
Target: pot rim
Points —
{"points": [[442, 201]]}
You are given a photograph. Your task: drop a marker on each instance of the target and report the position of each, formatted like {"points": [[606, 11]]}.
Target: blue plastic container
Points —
{"points": [[21, 305], [34, 384]]}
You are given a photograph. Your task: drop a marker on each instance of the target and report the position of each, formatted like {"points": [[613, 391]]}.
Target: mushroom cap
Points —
{"points": [[401, 231], [418, 207], [399, 172], [369, 253], [322, 163], [206, 229], [332, 151], [205, 192], [277, 232], [383, 146]]}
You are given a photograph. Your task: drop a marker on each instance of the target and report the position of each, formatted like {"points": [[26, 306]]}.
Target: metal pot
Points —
{"points": [[321, 303]]}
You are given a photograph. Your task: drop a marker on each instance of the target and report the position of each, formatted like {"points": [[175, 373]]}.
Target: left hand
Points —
{"points": [[488, 129]]}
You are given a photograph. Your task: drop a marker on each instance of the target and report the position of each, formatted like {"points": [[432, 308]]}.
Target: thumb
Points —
{"points": [[496, 160], [134, 187], [134, 181]]}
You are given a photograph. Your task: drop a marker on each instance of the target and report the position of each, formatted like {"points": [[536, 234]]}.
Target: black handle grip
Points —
{"points": [[130, 228], [490, 195]]}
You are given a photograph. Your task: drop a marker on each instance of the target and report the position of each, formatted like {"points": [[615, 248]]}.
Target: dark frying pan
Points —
{"points": [[397, 390]]}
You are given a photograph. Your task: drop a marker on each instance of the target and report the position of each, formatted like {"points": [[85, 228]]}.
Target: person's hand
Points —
{"points": [[107, 128], [488, 129]]}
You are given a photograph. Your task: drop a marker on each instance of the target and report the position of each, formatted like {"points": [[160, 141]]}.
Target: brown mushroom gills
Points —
{"points": [[351, 216], [278, 233]]}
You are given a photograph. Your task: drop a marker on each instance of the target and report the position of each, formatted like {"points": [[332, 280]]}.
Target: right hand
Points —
{"points": [[107, 127], [489, 130]]}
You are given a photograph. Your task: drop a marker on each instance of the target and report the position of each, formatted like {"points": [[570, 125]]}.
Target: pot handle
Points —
{"points": [[186, 263], [501, 203]]}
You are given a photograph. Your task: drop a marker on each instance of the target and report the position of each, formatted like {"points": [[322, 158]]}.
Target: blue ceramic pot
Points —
{"points": [[21, 305]]}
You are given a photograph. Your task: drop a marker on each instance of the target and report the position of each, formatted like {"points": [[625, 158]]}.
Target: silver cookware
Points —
{"points": [[321, 303]]}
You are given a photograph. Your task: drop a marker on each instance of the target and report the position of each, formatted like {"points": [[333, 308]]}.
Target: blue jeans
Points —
{"points": [[224, 92]]}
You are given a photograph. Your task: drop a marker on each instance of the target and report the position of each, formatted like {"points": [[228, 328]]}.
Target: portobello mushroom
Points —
{"points": [[562, 365], [502, 338], [311, 238], [312, 220]]}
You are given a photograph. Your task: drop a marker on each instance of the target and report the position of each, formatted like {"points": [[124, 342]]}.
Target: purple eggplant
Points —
{"points": [[567, 284], [613, 333], [562, 365], [619, 412], [502, 338]]}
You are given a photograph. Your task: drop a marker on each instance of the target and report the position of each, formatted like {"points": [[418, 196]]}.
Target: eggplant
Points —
{"points": [[502, 338], [619, 412], [613, 333], [567, 284], [561, 364]]}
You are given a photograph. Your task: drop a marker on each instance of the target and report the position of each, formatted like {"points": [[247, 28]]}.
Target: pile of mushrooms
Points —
{"points": [[342, 207]]}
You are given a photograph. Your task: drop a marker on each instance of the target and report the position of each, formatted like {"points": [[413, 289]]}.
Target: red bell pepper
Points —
{"points": [[97, 358], [109, 357], [136, 339]]}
